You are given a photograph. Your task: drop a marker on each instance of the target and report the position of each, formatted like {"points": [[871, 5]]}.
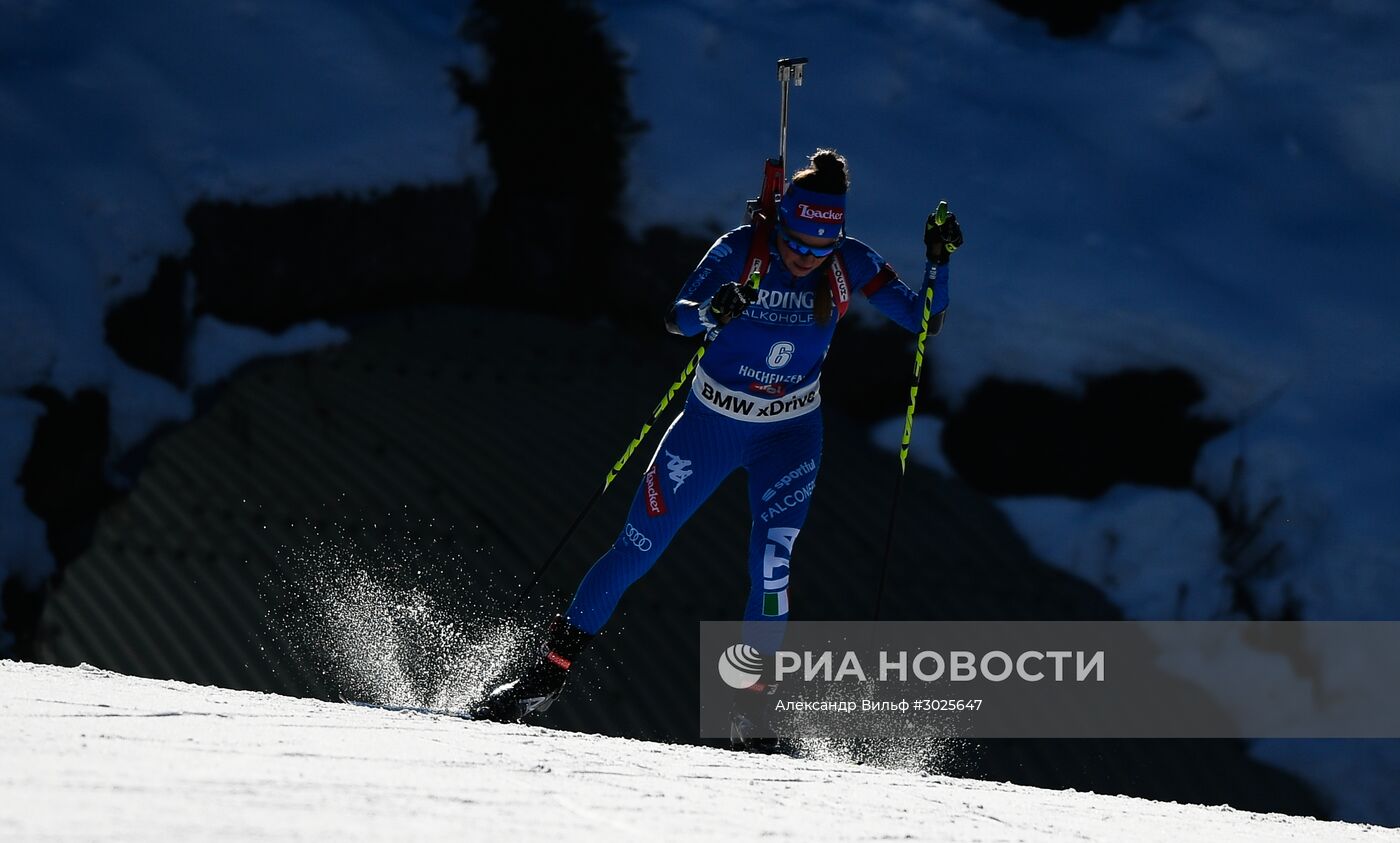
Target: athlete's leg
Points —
{"points": [[699, 450], [782, 467]]}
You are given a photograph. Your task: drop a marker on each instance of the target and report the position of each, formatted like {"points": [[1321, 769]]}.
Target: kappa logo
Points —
{"points": [[638, 539], [780, 354], [679, 470], [656, 501]]}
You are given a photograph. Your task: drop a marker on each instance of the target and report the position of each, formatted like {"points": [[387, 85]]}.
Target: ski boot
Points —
{"points": [[537, 688], [751, 720]]}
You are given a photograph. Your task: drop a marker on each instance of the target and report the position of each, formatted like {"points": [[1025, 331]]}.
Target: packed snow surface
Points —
{"points": [[95, 755]]}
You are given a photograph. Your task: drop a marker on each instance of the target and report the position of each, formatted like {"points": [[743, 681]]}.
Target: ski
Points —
{"points": [[459, 713]]}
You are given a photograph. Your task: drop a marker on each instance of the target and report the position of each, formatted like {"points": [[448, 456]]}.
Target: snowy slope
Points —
{"points": [[95, 755]]}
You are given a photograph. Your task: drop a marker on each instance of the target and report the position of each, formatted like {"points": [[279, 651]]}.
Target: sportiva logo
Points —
{"points": [[796, 497], [798, 473], [679, 470], [656, 501], [740, 666], [638, 539], [820, 213]]}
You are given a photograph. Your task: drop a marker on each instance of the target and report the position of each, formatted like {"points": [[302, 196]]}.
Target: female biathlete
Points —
{"points": [[753, 404]]}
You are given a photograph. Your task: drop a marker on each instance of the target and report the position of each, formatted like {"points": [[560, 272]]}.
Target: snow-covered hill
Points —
{"points": [[1210, 184], [90, 754]]}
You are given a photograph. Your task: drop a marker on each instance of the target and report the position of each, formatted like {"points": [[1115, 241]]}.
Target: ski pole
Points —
{"points": [[941, 215]]}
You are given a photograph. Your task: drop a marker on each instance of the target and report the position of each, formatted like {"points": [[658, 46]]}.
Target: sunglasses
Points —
{"points": [[802, 248]]}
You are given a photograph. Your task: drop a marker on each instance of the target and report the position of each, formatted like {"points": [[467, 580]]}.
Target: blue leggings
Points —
{"points": [[698, 452]]}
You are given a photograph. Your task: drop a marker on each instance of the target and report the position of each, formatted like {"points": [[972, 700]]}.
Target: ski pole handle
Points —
{"points": [[942, 234]]}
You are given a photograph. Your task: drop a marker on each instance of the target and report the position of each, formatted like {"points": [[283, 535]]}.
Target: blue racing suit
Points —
{"points": [[753, 404]]}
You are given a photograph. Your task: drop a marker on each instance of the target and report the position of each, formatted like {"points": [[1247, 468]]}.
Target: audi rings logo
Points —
{"points": [[637, 538], [740, 666]]}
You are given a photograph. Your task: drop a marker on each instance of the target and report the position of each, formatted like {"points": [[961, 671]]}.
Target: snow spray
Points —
{"points": [[392, 621]]}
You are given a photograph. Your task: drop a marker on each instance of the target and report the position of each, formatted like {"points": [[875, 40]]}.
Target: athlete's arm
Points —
{"points": [[888, 292], [690, 315]]}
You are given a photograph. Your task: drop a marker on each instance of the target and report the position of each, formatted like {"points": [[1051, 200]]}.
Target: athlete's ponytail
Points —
{"points": [[825, 173]]}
